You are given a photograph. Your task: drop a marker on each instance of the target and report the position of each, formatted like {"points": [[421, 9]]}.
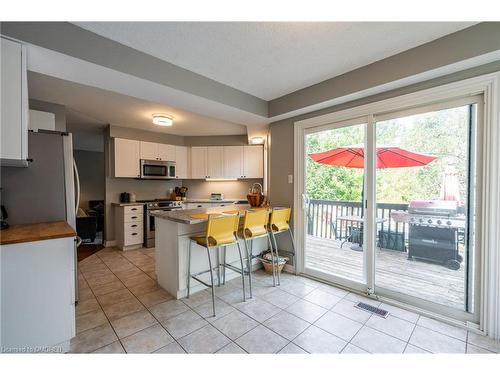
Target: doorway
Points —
{"points": [[389, 205]]}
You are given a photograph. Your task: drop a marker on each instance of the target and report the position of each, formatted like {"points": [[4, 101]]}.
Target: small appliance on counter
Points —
{"points": [[3, 221], [125, 198], [132, 198], [217, 196]]}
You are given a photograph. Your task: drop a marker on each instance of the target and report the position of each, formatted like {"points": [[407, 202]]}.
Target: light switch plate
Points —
{"points": [[290, 178]]}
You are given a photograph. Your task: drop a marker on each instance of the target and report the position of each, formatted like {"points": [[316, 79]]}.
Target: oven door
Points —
{"points": [[154, 169]]}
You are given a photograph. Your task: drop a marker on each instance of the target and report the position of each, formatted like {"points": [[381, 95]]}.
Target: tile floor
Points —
{"points": [[123, 310]]}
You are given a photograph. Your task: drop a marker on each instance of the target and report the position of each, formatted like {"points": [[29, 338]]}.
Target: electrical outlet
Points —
{"points": [[290, 178]]}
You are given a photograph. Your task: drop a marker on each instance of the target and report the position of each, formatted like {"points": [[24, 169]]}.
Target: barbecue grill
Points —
{"points": [[434, 227]]}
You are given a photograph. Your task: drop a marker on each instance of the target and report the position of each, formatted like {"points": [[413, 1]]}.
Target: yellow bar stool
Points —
{"points": [[279, 222], [254, 226], [221, 231]]}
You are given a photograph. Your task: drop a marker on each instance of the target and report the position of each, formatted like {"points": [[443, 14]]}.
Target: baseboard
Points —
{"points": [[109, 243], [289, 268]]}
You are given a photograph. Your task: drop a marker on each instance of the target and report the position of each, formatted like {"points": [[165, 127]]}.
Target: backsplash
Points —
{"points": [[230, 189]]}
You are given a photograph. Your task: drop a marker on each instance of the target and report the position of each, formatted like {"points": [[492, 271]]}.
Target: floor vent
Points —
{"points": [[372, 309]]}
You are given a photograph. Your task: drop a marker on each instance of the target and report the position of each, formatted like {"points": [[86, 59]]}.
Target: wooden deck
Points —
{"points": [[431, 282]]}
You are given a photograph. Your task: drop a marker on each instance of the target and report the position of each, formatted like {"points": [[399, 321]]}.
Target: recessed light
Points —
{"points": [[162, 119], [257, 140]]}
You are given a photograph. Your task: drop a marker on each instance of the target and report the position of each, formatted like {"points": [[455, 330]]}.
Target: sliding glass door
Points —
{"points": [[425, 252], [389, 205], [334, 185]]}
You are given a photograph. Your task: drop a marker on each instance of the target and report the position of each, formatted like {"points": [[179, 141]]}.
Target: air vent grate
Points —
{"points": [[372, 309]]}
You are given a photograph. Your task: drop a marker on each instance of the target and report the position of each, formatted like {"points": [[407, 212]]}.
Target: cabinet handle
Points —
{"points": [[133, 217], [133, 209], [133, 226], [134, 234]]}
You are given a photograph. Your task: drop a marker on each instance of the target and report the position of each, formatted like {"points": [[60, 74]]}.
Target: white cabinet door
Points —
{"points": [[215, 162], [181, 162], [253, 162], [149, 150], [14, 103], [166, 152], [233, 161], [199, 162], [127, 157]]}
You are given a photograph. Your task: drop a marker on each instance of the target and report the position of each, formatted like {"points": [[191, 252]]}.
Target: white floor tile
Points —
{"points": [[436, 342], [286, 325], [445, 329], [315, 340], [346, 307], [377, 342], [261, 340], [306, 310], [322, 298], [338, 325], [393, 326]]}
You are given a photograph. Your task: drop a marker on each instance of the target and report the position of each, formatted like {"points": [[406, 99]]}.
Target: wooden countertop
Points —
{"points": [[36, 232]]}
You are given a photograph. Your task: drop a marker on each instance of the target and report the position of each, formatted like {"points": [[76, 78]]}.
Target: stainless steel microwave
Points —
{"points": [[157, 169]]}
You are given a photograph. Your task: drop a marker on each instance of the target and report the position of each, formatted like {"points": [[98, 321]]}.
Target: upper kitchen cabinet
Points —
{"points": [[215, 162], [233, 161], [14, 100], [181, 162], [253, 162], [166, 152], [126, 155], [199, 162], [157, 151]]}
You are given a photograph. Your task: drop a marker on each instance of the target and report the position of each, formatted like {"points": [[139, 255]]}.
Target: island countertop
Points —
{"points": [[36, 232], [184, 216]]}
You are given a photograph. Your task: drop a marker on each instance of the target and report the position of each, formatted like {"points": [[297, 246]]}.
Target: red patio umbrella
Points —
{"points": [[387, 157]]}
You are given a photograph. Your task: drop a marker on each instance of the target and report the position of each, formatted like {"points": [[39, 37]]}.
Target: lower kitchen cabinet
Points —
{"points": [[129, 226], [38, 295]]}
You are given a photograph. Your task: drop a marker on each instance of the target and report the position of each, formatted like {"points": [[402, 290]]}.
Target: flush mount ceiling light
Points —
{"points": [[162, 119], [257, 140]]}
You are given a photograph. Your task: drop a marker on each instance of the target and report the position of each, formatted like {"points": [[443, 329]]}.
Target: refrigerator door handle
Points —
{"points": [[77, 187]]}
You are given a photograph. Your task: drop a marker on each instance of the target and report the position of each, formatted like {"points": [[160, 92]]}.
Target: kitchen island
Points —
{"points": [[173, 229]]}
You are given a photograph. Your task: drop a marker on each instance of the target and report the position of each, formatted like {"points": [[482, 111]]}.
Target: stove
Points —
{"points": [[152, 205]]}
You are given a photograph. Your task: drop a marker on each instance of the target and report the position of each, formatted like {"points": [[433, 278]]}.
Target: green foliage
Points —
{"points": [[442, 133]]}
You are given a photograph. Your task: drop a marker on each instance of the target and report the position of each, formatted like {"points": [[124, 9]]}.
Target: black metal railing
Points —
{"points": [[323, 221]]}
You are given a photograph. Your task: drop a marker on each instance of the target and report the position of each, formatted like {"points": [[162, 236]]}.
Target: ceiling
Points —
{"points": [[271, 59], [92, 107]]}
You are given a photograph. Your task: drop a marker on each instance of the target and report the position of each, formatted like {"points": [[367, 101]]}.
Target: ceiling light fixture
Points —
{"points": [[162, 119], [257, 140]]}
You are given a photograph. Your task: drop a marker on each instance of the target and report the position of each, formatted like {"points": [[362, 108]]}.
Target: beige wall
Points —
{"points": [[91, 172]]}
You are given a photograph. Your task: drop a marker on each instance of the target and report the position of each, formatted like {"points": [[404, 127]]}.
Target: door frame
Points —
{"points": [[489, 202]]}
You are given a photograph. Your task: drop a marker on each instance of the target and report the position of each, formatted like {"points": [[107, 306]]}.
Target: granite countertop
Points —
{"points": [[225, 200], [36, 232], [184, 216], [127, 204]]}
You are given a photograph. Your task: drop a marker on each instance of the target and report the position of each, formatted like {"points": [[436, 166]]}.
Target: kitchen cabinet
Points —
{"points": [[157, 151], [215, 162], [181, 162], [126, 155], [14, 104], [199, 162], [38, 294], [129, 226], [166, 152], [233, 161], [253, 162]]}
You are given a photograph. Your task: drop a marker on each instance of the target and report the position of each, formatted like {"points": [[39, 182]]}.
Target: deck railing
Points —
{"points": [[323, 220]]}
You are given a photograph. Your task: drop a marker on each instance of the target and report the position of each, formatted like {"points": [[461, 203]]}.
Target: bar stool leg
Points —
{"points": [[277, 256], [224, 253], [242, 272], [294, 251], [218, 265], [212, 279], [189, 269], [272, 256], [249, 265]]}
